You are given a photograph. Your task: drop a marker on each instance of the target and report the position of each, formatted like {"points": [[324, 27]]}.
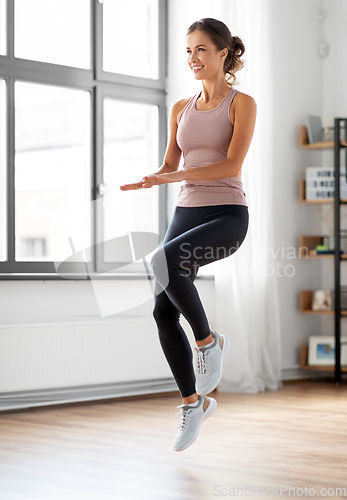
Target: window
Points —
{"points": [[3, 32], [52, 161], [54, 31], [130, 151], [3, 180], [82, 86], [33, 247], [140, 57]]}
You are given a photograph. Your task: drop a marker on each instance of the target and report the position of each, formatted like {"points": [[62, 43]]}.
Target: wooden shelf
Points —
{"points": [[309, 243], [305, 366], [303, 141], [306, 304], [302, 191]]}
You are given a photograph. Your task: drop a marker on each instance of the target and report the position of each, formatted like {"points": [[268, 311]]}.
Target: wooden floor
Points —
{"points": [[296, 436]]}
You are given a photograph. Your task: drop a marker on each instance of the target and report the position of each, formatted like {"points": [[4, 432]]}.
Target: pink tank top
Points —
{"points": [[204, 137]]}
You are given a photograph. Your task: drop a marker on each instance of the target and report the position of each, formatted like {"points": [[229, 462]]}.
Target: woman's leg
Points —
{"points": [[219, 231], [175, 344], [173, 339], [219, 234]]}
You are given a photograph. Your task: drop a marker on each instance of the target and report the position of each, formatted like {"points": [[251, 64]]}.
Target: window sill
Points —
{"points": [[76, 277]]}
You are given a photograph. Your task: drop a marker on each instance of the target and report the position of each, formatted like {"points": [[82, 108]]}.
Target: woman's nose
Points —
{"points": [[192, 57]]}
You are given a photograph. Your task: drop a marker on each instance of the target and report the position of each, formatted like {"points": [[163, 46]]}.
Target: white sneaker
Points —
{"points": [[209, 369], [191, 419]]}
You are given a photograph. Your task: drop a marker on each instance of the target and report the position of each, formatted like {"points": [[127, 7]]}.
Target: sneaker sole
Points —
{"points": [[225, 349], [211, 408]]}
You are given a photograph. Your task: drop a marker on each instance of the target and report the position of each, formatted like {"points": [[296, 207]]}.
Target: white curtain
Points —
{"points": [[246, 283], [247, 305]]}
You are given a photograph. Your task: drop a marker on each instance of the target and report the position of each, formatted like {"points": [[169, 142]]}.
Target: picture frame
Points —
{"points": [[321, 350], [315, 130], [321, 300]]}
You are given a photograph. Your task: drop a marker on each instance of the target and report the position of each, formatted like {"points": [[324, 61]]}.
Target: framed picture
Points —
{"points": [[321, 350], [321, 300], [315, 130]]}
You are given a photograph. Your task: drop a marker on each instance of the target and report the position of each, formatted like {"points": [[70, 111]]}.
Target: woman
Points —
{"points": [[213, 129]]}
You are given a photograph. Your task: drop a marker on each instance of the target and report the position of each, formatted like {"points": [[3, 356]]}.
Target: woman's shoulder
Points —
{"points": [[243, 99], [178, 107], [242, 104]]}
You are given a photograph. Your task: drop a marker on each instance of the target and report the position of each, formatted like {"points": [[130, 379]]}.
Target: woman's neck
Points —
{"points": [[213, 90]]}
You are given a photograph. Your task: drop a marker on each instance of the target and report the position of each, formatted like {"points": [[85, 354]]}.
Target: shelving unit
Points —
{"points": [[306, 302], [302, 190], [311, 241], [305, 366], [303, 139]]}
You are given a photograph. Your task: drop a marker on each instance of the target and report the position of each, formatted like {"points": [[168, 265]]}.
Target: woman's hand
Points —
{"points": [[135, 185], [147, 182], [155, 179]]}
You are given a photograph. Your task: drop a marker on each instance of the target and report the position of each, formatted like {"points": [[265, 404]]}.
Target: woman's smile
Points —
{"points": [[196, 69]]}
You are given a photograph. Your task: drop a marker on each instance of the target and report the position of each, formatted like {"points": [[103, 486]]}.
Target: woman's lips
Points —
{"points": [[196, 69]]}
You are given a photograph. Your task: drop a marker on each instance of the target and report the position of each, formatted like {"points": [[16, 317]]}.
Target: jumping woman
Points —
{"points": [[213, 129]]}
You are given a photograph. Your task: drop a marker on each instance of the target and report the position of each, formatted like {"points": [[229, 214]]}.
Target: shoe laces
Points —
{"points": [[202, 360], [185, 412]]}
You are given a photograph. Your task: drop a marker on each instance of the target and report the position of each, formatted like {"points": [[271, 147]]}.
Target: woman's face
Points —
{"points": [[204, 60]]}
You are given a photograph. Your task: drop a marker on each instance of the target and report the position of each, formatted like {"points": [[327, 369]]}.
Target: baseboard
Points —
{"points": [[55, 396], [296, 373]]}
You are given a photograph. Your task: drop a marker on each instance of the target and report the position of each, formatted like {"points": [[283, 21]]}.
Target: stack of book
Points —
{"points": [[320, 183]]}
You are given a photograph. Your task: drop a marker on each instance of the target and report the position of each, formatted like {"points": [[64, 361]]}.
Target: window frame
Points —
{"points": [[100, 84]]}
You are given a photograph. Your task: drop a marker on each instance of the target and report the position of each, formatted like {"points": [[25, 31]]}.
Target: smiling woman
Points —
{"points": [[213, 130]]}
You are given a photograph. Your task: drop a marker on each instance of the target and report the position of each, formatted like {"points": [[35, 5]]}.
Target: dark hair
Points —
{"points": [[222, 38]]}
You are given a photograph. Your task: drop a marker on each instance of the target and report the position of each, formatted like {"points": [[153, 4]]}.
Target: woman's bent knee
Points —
{"points": [[164, 316], [159, 267]]}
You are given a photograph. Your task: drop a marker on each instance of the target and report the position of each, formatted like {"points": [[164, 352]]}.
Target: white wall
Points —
{"points": [[298, 87], [335, 65]]}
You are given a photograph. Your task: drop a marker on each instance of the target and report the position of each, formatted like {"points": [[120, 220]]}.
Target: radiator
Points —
{"points": [[63, 362]]}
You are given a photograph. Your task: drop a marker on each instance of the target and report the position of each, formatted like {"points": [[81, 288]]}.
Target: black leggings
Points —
{"points": [[195, 237]]}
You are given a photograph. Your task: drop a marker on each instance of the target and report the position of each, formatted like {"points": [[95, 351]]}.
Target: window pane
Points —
{"points": [[53, 31], [3, 177], [130, 152], [3, 26], [52, 167], [131, 37]]}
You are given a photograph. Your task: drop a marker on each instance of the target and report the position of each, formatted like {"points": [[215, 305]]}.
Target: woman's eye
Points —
{"points": [[189, 51]]}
